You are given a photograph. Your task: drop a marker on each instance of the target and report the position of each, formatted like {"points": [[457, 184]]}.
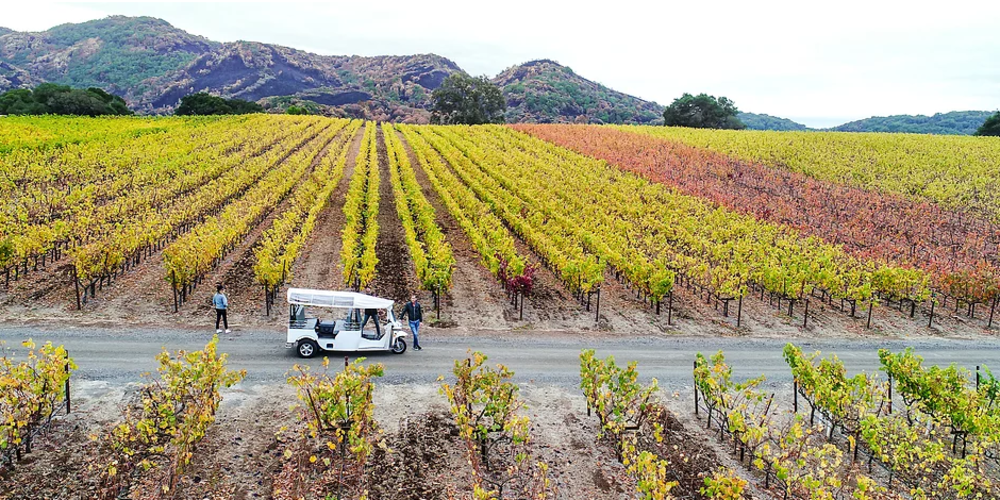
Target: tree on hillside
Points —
{"points": [[52, 99], [991, 126], [462, 99], [205, 104], [702, 111]]}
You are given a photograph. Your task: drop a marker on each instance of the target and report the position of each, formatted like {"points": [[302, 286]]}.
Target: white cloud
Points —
{"points": [[822, 63]]}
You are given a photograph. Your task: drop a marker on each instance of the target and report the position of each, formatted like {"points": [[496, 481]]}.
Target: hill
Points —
{"points": [[953, 123], [119, 54], [755, 121], [544, 91], [153, 64]]}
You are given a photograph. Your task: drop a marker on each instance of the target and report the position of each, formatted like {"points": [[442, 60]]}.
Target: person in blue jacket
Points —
{"points": [[221, 303], [416, 315]]}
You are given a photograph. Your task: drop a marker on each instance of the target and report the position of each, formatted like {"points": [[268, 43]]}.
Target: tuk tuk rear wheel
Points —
{"points": [[306, 348], [399, 347]]}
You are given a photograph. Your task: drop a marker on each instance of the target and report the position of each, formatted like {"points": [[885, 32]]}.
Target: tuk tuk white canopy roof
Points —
{"points": [[326, 298]]}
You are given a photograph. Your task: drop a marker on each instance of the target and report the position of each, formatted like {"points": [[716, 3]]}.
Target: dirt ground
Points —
{"points": [[243, 452]]}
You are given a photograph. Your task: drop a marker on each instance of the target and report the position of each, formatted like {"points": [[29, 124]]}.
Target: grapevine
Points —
{"points": [[487, 233], [360, 231], [31, 391], [281, 243], [339, 412], [431, 254], [192, 255], [486, 408], [151, 447]]}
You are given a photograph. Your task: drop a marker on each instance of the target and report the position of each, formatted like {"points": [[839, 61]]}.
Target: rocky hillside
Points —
{"points": [[544, 91], [118, 54], [153, 64]]}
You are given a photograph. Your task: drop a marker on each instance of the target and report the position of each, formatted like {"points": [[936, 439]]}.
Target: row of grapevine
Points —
{"points": [[628, 410], [150, 448], [649, 232], [957, 172], [843, 402], [795, 457], [430, 253], [107, 238], [280, 244], [360, 233], [63, 199], [487, 410], [42, 134], [342, 432], [558, 242], [31, 391], [948, 398], [912, 445], [487, 233], [192, 255], [916, 448], [958, 250]]}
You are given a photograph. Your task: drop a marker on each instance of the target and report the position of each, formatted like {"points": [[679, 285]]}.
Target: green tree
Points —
{"points": [[462, 99], [49, 98], [297, 110], [991, 126], [702, 111], [205, 104]]}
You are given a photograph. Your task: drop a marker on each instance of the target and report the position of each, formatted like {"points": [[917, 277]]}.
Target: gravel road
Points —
{"points": [[121, 356]]}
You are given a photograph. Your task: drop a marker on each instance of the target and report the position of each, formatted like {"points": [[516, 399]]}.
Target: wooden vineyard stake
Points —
{"points": [[739, 312]]}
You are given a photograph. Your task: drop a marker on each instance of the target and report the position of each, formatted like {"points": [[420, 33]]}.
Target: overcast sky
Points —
{"points": [[819, 63]]}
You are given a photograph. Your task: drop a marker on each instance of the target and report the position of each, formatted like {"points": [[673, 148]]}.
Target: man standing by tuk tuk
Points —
{"points": [[416, 315]]}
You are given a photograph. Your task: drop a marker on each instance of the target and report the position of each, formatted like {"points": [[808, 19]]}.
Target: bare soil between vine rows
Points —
{"points": [[242, 456]]}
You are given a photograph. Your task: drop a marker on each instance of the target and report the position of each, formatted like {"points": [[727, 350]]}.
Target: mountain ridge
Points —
{"points": [[152, 64], [951, 123]]}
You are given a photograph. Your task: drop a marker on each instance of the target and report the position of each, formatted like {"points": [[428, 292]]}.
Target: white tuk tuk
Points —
{"points": [[336, 325]]}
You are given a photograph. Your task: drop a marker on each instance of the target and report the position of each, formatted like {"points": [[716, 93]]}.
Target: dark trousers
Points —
{"points": [[378, 328], [221, 314]]}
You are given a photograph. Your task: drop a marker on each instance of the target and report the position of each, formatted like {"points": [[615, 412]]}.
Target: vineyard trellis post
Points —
{"points": [[890, 394], [871, 305], [76, 286], [795, 395], [670, 308], [993, 309], [930, 322], [739, 312], [805, 315], [68, 401], [597, 307], [696, 391]]}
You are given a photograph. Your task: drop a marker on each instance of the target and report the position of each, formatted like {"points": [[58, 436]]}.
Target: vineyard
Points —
{"points": [[908, 430], [563, 227]]}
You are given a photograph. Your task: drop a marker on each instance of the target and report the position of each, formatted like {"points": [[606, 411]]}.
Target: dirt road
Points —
{"points": [[121, 356]]}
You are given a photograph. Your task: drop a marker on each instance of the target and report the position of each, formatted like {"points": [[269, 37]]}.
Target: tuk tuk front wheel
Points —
{"points": [[399, 347], [307, 348]]}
